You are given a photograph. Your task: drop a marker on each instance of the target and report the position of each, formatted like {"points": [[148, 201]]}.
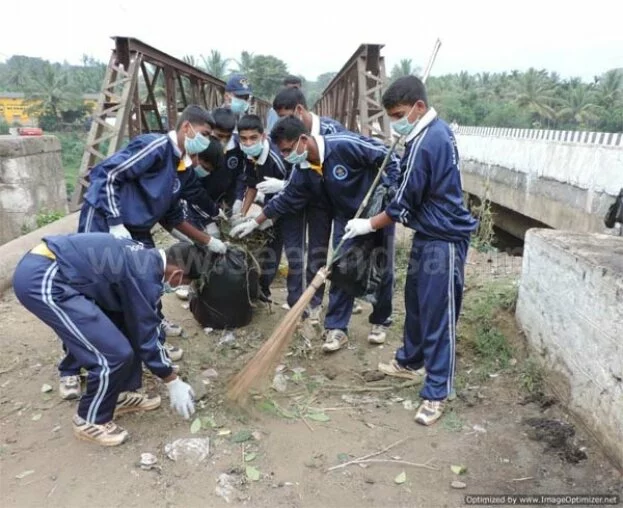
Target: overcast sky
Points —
{"points": [[319, 36]]}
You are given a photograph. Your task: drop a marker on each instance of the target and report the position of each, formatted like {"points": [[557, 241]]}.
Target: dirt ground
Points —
{"points": [[328, 415]]}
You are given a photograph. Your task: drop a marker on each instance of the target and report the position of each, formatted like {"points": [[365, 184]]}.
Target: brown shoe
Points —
{"points": [[107, 434], [131, 402], [334, 340]]}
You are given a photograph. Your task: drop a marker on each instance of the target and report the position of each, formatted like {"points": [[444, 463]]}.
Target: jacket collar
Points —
{"points": [[424, 122]]}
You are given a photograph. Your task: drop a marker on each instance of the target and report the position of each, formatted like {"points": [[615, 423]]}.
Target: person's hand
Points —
{"points": [[244, 228], [268, 223], [259, 198], [217, 246], [213, 230], [357, 227], [271, 185], [119, 231], [237, 207], [181, 396]]}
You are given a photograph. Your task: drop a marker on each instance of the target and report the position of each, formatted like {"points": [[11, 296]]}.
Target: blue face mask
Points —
{"points": [[197, 144], [296, 158], [200, 172], [403, 126], [253, 150], [239, 106]]}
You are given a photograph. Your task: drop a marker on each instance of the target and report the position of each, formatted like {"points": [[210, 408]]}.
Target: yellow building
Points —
{"points": [[14, 107]]}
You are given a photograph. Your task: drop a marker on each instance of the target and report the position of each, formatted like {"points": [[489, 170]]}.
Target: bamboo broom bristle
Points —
{"points": [[257, 369]]}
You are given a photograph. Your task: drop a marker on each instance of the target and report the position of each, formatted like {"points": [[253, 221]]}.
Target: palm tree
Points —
{"points": [[18, 76], [578, 106], [245, 64], [215, 64], [610, 89], [51, 92], [404, 68], [191, 60], [536, 93]]}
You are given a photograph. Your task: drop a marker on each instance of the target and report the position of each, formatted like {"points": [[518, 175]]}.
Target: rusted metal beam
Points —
{"points": [[353, 96]]}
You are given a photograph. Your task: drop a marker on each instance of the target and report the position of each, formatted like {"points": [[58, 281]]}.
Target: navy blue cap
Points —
{"points": [[238, 85]]}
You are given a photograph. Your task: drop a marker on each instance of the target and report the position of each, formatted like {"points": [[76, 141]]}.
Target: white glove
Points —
{"points": [[357, 227], [181, 396], [268, 223], [119, 231], [244, 228], [270, 185], [216, 246], [237, 208], [259, 198], [213, 230]]}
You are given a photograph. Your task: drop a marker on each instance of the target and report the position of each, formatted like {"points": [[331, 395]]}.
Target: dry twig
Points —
{"points": [[370, 455]]}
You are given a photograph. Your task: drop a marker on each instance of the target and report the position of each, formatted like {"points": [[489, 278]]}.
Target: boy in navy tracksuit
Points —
{"points": [[291, 101], [429, 201], [141, 185], [100, 295], [225, 184], [265, 167], [343, 166]]}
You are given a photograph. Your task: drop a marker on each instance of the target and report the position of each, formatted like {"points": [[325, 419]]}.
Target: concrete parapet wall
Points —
{"points": [[31, 180], [571, 309], [592, 138], [563, 185]]}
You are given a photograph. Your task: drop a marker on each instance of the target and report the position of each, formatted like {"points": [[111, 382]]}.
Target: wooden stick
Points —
{"points": [[365, 457], [338, 388], [392, 461], [307, 423], [522, 479]]}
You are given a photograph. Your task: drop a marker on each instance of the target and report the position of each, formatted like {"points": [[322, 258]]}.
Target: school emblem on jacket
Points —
{"points": [[340, 172], [232, 162], [177, 185]]}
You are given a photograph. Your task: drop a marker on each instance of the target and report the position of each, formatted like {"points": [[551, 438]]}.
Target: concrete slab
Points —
{"points": [[571, 309]]}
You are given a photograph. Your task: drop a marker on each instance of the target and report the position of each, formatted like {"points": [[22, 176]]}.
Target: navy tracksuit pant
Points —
{"points": [[87, 332], [288, 236], [318, 221], [341, 304], [433, 297], [91, 221]]}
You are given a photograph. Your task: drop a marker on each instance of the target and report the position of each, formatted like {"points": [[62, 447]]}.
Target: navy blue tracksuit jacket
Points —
{"points": [[286, 230], [100, 295], [429, 200], [138, 187], [350, 163]]}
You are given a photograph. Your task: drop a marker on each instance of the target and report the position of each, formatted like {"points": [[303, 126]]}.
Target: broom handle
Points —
{"points": [[370, 192]]}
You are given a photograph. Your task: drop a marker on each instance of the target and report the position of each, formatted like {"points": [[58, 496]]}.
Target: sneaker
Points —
{"points": [[182, 293], [429, 411], [334, 340], [173, 352], [394, 369], [314, 315], [107, 434], [285, 306], [131, 402], [357, 308], [171, 329], [378, 334], [69, 387]]}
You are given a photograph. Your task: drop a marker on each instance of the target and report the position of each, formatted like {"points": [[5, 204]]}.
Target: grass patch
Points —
{"points": [[531, 377], [482, 335], [452, 422]]}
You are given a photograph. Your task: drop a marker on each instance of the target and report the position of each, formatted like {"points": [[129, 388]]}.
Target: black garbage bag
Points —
{"points": [[223, 297], [359, 269], [615, 212]]}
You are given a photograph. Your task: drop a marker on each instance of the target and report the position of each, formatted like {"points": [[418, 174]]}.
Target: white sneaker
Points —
{"points": [[357, 308], [171, 329], [173, 352], [314, 315], [334, 340], [378, 334], [69, 387]]}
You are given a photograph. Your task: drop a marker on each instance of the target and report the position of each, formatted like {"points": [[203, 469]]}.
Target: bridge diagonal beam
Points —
{"points": [[353, 96]]}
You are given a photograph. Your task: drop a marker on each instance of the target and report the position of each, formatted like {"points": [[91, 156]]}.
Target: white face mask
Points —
{"points": [[403, 127]]}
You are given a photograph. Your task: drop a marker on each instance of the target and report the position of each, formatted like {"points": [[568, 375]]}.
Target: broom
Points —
{"points": [[272, 350]]}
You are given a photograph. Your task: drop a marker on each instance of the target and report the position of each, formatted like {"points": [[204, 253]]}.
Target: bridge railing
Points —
{"points": [[144, 90], [580, 137]]}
